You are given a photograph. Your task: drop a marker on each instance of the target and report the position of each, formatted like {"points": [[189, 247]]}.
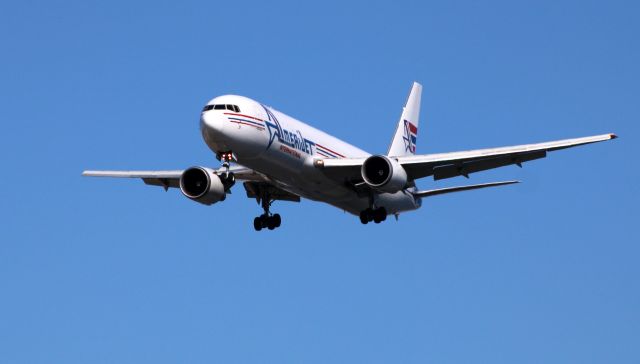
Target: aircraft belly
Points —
{"points": [[310, 185]]}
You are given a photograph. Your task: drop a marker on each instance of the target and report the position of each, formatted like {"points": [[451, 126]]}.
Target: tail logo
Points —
{"points": [[410, 136]]}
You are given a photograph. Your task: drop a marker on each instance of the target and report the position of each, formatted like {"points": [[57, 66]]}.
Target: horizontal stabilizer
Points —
{"points": [[441, 191]]}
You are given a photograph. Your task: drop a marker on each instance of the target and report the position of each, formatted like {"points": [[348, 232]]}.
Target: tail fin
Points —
{"points": [[404, 140]]}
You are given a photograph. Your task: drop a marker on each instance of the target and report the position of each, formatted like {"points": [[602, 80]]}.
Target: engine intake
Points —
{"points": [[202, 185], [384, 174]]}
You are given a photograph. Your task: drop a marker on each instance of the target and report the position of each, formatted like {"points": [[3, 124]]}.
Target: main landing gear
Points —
{"points": [[376, 215], [266, 220]]}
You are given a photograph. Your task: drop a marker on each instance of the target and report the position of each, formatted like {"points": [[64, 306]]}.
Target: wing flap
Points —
{"points": [[163, 182], [442, 191], [133, 174]]}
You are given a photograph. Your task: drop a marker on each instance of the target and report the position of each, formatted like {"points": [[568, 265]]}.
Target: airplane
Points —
{"points": [[279, 158]]}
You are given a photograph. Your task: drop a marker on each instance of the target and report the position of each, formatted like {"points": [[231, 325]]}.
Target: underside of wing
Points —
{"points": [[165, 179], [442, 191]]}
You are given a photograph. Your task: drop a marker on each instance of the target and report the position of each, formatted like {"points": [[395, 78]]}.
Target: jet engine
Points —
{"points": [[384, 174], [202, 185]]}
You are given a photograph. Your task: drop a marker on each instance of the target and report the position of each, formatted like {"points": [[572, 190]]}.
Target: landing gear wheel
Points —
{"points": [[379, 215], [270, 223], [363, 217], [277, 220], [228, 179], [263, 220], [257, 224], [366, 216]]}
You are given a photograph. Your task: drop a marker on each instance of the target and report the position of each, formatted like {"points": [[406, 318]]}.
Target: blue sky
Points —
{"points": [[108, 271]]}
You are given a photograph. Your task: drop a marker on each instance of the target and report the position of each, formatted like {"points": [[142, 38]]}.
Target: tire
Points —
{"points": [[379, 215], [257, 224], [271, 223], [264, 219], [277, 219], [383, 213], [229, 180], [369, 214], [363, 217]]}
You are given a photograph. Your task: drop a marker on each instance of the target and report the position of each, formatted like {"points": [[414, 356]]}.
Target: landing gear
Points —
{"points": [[376, 215], [227, 177], [266, 220]]}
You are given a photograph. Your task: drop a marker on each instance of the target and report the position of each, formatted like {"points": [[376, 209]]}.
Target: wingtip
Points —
{"points": [[613, 136]]}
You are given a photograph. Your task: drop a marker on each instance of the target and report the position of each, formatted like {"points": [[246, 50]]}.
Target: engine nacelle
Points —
{"points": [[202, 185], [384, 174]]}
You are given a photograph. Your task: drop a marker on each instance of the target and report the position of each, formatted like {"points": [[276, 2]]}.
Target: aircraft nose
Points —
{"points": [[212, 122], [212, 126]]}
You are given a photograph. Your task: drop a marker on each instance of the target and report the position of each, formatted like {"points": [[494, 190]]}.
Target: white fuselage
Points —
{"points": [[284, 149]]}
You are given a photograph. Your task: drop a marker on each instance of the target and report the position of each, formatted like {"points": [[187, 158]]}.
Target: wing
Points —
{"points": [[169, 179], [447, 165], [257, 185]]}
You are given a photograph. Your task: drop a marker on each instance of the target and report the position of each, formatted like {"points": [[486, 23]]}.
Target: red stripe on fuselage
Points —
{"points": [[246, 116], [240, 122], [336, 153]]}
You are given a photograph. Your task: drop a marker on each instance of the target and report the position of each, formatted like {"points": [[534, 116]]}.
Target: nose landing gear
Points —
{"points": [[227, 177], [376, 215]]}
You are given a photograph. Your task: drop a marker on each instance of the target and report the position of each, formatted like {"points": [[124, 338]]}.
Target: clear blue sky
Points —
{"points": [[113, 271]]}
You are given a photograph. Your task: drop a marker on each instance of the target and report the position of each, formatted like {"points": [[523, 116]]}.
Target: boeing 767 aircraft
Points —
{"points": [[280, 158]]}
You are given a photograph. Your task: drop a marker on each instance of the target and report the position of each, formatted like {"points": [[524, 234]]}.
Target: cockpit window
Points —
{"points": [[229, 107]]}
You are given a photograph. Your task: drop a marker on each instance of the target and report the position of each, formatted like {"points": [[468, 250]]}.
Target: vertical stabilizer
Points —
{"points": [[404, 140]]}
